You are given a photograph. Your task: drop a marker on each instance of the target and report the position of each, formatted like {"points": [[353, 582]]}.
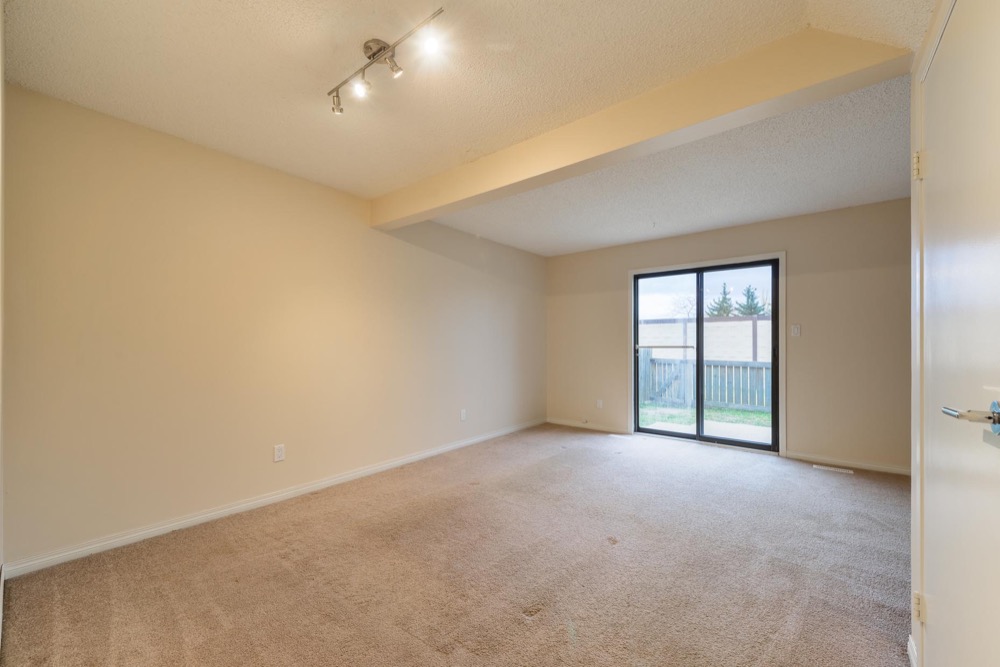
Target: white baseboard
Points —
{"points": [[591, 426], [843, 463], [26, 565], [911, 651]]}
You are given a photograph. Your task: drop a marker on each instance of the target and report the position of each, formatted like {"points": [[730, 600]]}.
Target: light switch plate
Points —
{"points": [[796, 330]]}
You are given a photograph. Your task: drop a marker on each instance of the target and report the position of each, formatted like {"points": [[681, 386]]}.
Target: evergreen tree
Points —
{"points": [[723, 306], [750, 304]]}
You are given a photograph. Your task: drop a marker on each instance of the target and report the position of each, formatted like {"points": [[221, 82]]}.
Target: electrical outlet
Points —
{"points": [[600, 404], [462, 415], [279, 453]]}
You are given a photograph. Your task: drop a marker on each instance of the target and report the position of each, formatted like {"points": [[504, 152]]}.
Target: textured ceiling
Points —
{"points": [[848, 151], [249, 78], [896, 22]]}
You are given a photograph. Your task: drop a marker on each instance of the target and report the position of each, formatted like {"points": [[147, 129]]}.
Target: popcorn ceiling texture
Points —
{"points": [[249, 79], [899, 23], [848, 151]]}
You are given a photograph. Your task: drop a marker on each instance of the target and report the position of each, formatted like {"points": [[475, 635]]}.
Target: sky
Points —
{"points": [[675, 296]]}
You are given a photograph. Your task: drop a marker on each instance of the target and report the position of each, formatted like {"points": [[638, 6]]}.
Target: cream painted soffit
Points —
{"points": [[785, 75]]}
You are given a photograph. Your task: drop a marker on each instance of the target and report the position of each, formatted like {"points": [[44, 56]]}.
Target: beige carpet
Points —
{"points": [[547, 547]]}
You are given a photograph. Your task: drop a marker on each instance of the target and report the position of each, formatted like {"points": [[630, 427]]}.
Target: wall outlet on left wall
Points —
{"points": [[279, 453]]}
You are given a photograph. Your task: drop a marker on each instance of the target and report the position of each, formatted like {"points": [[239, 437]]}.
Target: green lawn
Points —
{"points": [[650, 414]]}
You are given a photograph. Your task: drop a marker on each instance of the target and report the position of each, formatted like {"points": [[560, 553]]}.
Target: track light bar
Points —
{"points": [[377, 51]]}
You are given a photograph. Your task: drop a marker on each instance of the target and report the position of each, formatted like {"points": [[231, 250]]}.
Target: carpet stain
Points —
{"points": [[474, 483], [532, 611], [612, 540]]}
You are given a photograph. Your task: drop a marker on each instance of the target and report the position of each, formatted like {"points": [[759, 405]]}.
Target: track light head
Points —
{"points": [[337, 108], [394, 67], [380, 51], [362, 87], [431, 43]]}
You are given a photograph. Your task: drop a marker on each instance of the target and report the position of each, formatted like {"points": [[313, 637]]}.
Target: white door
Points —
{"points": [[960, 361]]}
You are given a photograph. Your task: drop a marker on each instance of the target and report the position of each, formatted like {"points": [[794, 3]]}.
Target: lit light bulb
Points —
{"points": [[431, 43], [361, 88]]}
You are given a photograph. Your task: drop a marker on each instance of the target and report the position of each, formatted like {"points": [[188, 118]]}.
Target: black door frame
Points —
{"points": [[699, 273]]}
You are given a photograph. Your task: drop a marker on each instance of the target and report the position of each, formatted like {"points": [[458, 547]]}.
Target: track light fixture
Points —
{"points": [[377, 51]]}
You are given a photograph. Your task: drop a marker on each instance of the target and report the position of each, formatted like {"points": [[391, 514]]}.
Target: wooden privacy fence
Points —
{"points": [[743, 385]]}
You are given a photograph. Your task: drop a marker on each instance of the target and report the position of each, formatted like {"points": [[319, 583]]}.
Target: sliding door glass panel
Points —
{"points": [[666, 336], [737, 364]]}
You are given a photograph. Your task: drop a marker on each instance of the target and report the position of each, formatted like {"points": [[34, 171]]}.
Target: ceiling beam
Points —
{"points": [[791, 73]]}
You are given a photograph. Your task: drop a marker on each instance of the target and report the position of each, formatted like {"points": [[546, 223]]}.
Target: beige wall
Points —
{"points": [[172, 313], [847, 388]]}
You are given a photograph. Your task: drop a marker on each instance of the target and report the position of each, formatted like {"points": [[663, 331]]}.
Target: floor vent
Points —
{"points": [[845, 471]]}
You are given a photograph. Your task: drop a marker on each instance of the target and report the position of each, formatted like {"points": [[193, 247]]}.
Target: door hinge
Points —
{"points": [[918, 167], [920, 607]]}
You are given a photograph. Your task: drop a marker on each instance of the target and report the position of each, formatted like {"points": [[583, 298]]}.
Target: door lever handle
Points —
{"points": [[978, 416]]}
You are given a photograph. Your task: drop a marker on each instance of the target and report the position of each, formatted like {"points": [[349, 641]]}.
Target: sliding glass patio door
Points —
{"points": [[706, 354]]}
